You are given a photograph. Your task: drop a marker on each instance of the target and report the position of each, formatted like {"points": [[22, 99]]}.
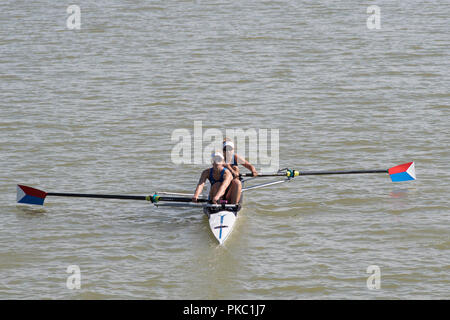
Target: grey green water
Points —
{"points": [[93, 110]]}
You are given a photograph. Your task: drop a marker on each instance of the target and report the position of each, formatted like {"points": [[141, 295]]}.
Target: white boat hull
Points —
{"points": [[221, 224]]}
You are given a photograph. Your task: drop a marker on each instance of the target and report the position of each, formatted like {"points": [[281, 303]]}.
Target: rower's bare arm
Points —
{"points": [[200, 185], [247, 165], [234, 169]]}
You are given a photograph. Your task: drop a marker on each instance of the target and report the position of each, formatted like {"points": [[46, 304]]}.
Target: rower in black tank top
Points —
{"points": [[218, 173], [211, 176]]}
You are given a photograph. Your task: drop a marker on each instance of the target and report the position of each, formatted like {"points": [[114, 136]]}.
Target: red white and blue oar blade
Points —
{"points": [[30, 195], [403, 172]]}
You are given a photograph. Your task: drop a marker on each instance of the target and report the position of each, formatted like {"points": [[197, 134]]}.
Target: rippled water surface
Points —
{"points": [[93, 111]]}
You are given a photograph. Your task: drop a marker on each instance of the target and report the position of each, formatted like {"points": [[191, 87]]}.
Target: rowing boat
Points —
{"points": [[222, 216], [221, 221]]}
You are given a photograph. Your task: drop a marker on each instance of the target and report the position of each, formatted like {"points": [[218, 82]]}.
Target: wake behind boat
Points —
{"points": [[221, 216]]}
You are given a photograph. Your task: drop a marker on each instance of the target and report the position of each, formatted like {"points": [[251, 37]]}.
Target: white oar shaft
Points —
{"points": [[262, 185]]}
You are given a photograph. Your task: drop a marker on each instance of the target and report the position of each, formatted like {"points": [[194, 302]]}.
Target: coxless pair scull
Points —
{"points": [[221, 215]]}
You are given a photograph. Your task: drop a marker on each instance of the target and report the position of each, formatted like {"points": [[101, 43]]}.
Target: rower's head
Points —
{"points": [[228, 145], [217, 157], [228, 149]]}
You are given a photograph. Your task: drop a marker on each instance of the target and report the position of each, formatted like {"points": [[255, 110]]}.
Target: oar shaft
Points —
{"points": [[178, 199], [315, 173], [124, 197], [101, 196], [264, 175]]}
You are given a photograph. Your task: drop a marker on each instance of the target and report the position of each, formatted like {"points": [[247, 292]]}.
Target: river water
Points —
{"points": [[93, 110]]}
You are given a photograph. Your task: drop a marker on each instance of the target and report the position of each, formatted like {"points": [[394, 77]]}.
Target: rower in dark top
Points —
{"points": [[232, 160], [219, 177]]}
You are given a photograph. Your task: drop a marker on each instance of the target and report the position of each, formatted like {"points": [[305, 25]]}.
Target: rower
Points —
{"points": [[232, 160], [219, 177]]}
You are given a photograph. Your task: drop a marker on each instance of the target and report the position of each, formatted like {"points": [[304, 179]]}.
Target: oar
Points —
{"points": [[31, 195], [402, 172]]}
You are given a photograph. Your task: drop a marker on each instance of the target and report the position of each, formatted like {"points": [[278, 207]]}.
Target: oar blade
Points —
{"points": [[30, 195], [403, 172]]}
